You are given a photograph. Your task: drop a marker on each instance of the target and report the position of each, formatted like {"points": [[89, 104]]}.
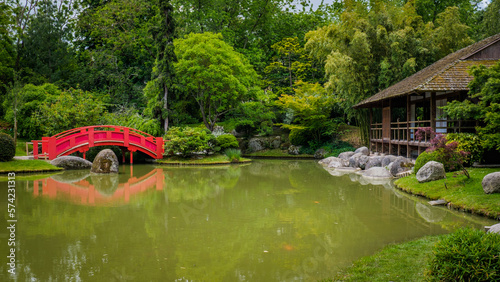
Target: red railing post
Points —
{"points": [[90, 133], [35, 149], [159, 148], [126, 136], [45, 146], [52, 148]]}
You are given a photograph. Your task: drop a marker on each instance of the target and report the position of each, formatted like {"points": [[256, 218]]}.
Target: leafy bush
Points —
{"points": [[130, 117], [254, 116], [234, 155], [188, 140], [227, 141], [245, 126], [468, 142], [443, 151], [466, 255], [299, 136], [337, 147], [8, 146], [424, 158], [71, 109], [29, 99]]}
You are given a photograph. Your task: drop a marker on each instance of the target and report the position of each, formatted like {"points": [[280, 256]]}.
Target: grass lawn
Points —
{"points": [[27, 166], [401, 262], [205, 160], [277, 153], [461, 192], [21, 147]]}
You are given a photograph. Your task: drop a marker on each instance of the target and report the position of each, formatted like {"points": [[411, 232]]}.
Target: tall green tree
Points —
{"points": [[312, 106], [485, 88], [376, 45], [116, 49], [491, 21], [291, 63], [46, 55], [7, 52], [211, 72], [157, 89]]}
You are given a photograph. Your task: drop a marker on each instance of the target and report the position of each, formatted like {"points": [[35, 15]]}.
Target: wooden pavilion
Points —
{"points": [[399, 110]]}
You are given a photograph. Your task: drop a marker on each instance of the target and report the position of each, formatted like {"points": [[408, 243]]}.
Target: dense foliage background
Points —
{"points": [[154, 64]]}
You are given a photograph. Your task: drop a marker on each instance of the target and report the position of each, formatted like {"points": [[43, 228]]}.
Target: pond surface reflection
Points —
{"points": [[266, 221]]}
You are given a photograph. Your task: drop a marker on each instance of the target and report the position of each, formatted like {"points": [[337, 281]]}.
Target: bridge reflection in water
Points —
{"points": [[96, 190]]}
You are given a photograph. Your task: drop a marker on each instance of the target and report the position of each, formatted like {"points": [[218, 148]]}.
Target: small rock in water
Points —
{"points": [[438, 203]]}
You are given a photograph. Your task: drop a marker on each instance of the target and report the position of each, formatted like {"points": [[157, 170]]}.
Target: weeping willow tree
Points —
{"points": [[374, 45]]}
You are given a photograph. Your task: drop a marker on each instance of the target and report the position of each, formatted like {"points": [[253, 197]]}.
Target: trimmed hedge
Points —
{"points": [[8, 146], [227, 141]]}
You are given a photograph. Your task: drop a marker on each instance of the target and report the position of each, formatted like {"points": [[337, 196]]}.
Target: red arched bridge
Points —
{"points": [[82, 138]]}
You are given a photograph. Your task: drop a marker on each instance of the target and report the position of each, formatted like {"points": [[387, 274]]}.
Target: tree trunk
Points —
{"points": [[165, 107], [15, 129], [290, 68]]}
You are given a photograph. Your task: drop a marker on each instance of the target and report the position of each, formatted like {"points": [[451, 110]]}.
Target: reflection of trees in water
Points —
{"points": [[300, 216], [188, 184]]}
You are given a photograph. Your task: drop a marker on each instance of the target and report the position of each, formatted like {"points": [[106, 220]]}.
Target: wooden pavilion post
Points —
{"points": [[433, 113], [408, 117], [370, 130]]}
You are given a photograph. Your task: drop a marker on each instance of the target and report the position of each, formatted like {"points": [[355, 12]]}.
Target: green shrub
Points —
{"points": [[188, 140], [8, 146], [337, 147], [466, 255], [227, 141], [299, 136], [423, 158], [266, 128], [245, 126], [234, 155], [468, 142]]}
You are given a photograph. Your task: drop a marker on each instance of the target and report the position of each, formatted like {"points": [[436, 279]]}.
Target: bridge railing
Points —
{"points": [[81, 139], [102, 128]]}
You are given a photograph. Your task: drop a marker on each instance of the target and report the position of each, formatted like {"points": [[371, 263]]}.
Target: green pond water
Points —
{"points": [[265, 221]]}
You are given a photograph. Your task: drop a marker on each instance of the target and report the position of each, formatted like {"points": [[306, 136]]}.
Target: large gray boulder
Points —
{"points": [[491, 183], [374, 161], [105, 162], [337, 163], [363, 150], [256, 144], [70, 162], [346, 155], [358, 160], [326, 161], [293, 150], [377, 172], [401, 164], [386, 160], [275, 142], [431, 171]]}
